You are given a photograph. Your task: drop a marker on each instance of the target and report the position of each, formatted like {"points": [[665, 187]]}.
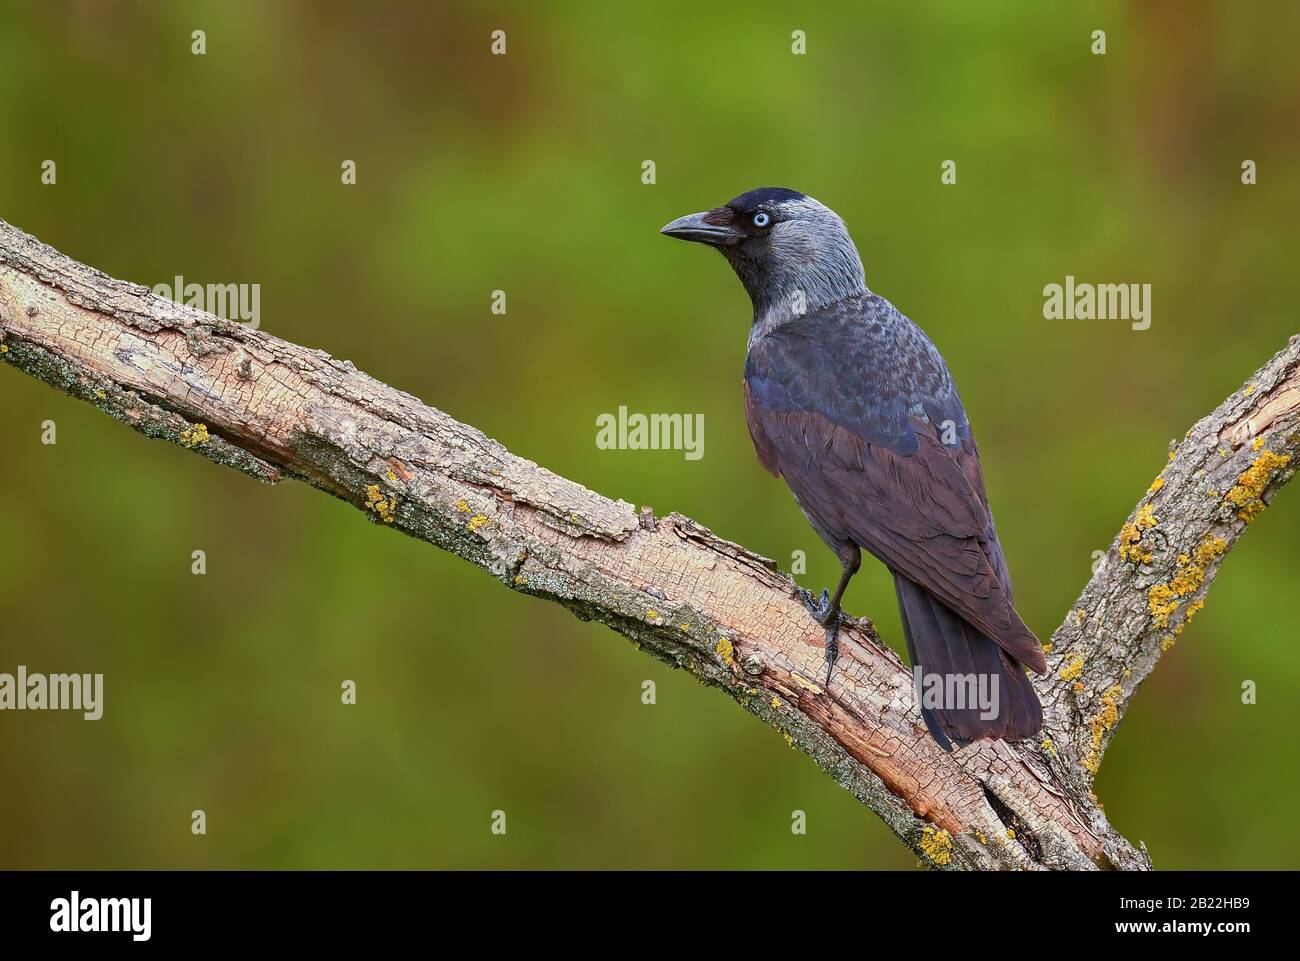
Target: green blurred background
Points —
{"points": [[523, 173]]}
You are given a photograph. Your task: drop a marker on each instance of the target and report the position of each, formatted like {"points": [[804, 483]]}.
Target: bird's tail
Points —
{"points": [[968, 687]]}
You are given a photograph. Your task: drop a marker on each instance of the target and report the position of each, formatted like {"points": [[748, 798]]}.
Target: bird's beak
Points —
{"points": [[697, 227]]}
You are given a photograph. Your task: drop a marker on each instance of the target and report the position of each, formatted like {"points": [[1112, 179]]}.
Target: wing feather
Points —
{"points": [[879, 474]]}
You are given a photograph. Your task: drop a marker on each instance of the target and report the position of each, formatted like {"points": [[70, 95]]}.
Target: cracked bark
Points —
{"points": [[276, 410]]}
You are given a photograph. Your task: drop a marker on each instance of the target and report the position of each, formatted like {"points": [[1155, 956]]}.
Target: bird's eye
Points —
{"points": [[762, 219]]}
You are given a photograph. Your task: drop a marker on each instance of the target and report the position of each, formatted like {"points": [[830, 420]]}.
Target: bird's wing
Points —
{"points": [[853, 408]]}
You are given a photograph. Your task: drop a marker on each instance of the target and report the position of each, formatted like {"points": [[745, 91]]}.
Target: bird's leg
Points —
{"points": [[827, 613]]}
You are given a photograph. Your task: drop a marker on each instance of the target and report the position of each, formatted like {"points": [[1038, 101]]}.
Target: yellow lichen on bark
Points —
{"points": [[192, 437], [1163, 599], [725, 651], [1072, 670], [1100, 723], [1130, 536], [936, 844], [381, 505], [1247, 494]]}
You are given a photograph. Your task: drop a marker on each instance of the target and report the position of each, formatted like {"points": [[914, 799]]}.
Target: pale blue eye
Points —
{"points": [[761, 219]]}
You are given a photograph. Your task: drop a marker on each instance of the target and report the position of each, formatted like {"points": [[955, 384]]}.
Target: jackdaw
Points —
{"points": [[851, 403]]}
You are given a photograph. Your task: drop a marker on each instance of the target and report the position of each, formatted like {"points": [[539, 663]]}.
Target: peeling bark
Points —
{"points": [[277, 410]]}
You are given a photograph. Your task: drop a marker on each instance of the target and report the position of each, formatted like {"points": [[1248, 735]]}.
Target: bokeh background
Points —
{"points": [[523, 173]]}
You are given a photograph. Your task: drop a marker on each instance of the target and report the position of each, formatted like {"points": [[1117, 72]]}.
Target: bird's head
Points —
{"points": [[791, 252]]}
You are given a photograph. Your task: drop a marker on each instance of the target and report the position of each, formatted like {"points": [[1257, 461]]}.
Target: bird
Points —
{"points": [[852, 404]]}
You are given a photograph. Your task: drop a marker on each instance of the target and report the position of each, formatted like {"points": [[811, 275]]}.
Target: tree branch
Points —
{"points": [[1161, 565], [274, 409]]}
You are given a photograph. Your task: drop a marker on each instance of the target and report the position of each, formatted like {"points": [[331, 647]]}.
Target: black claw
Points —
{"points": [[821, 609], [832, 649]]}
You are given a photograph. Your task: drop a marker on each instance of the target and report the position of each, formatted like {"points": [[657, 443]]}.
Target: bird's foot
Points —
{"points": [[828, 618], [820, 610]]}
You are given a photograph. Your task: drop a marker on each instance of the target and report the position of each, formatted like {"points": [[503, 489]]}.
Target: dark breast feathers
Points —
{"points": [[855, 408]]}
